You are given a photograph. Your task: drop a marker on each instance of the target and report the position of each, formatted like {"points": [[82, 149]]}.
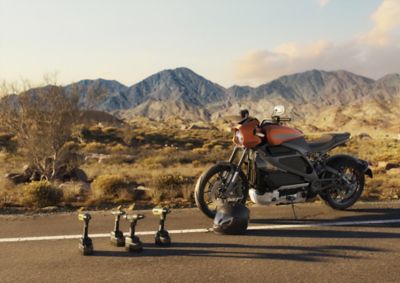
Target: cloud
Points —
{"points": [[373, 54], [386, 20], [323, 3]]}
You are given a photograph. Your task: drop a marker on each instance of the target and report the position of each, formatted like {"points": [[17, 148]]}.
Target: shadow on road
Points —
{"points": [[240, 251], [363, 214], [306, 253], [316, 233]]}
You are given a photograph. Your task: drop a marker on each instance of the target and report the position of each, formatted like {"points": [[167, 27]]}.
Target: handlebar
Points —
{"points": [[276, 120], [244, 114], [284, 119]]}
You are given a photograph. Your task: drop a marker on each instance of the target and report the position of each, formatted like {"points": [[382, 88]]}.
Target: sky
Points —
{"points": [[227, 41]]}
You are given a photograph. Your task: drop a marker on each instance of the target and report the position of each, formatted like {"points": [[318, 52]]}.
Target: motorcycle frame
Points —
{"points": [[312, 178]]}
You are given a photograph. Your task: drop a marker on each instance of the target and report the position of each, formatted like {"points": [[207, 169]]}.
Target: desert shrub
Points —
{"points": [[196, 163], [218, 147], [157, 196], [119, 148], [74, 191], [7, 192], [372, 194], [171, 181], [8, 142], [95, 147], [110, 131], [134, 140], [101, 135], [113, 188], [168, 157], [170, 186], [187, 192], [189, 145], [154, 162], [119, 159], [200, 150], [41, 194]]}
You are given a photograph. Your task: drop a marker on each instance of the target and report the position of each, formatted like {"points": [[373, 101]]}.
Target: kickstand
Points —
{"points": [[294, 211]]}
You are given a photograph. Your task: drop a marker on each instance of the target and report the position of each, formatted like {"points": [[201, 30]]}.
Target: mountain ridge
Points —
{"points": [[182, 92], [184, 88]]}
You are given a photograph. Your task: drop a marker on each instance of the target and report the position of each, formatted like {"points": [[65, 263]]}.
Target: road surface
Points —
{"points": [[323, 245]]}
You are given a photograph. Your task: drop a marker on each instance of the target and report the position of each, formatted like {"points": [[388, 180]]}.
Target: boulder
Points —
{"points": [[364, 136], [78, 174], [30, 171], [17, 178], [75, 174], [391, 166]]}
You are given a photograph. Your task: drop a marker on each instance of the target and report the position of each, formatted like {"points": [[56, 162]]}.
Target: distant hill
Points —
{"points": [[323, 100]]}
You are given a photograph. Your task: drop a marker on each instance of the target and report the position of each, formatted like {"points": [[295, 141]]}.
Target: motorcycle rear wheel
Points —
{"points": [[212, 182], [344, 194]]}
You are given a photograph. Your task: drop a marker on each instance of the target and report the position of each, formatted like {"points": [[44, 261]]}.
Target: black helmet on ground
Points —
{"points": [[231, 218]]}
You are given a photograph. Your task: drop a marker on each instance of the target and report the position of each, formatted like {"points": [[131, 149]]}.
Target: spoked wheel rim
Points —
{"points": [[215, 187], [346, 186]]}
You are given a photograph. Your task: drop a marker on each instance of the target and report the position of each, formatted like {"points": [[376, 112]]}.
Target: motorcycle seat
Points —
{"points": [[328, 141]]}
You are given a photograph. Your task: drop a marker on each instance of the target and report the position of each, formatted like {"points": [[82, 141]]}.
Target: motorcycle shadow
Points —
{"points": [[323, 234], [357, 215]]}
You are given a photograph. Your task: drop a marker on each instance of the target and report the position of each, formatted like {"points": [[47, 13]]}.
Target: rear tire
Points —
{"points": [[351, 170], [209, 206]]}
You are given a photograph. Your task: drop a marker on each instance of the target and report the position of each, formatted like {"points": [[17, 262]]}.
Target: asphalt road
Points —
{"points": [[323, 245]]}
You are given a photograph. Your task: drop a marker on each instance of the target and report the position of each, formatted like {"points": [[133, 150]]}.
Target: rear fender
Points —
{"points": [[362, 164]]}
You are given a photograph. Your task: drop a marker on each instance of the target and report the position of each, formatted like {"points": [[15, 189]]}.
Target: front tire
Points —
{"points": [[348, 189], [211, 184]]}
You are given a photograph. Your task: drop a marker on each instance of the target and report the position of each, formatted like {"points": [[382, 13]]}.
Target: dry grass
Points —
{"points": [[41, 194], [377, 152], [74, 192], [171, 186], [8, 193], [113, 189]]}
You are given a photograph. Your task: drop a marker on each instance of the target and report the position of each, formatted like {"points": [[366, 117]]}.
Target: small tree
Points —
{"points": [[42, 121]]}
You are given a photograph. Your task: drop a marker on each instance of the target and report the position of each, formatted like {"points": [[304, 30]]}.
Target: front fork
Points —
{"points": [[236, 173]]}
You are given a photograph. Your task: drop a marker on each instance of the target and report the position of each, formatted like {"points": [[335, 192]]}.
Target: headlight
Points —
{"points": [[239, 137]]}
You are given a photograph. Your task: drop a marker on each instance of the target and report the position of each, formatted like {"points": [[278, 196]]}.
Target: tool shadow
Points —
{"points": [[222, 249]]}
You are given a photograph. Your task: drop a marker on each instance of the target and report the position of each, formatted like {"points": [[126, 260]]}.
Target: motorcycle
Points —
{"points": [[273, 164]]}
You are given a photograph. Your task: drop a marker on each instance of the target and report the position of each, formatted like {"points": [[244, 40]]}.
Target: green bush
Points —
{"points": [[41, 194]]}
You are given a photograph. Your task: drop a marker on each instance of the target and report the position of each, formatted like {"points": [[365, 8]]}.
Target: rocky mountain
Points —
{"points": [[308, 95], [185, 93], [178, 92], [100, 94]]}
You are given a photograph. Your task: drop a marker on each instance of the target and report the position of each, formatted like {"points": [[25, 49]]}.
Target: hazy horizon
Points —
{"points": [[228, 42]]}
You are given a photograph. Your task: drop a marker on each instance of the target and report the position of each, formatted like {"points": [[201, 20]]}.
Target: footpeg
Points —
{"points": [[162, 237], [85, 243]]}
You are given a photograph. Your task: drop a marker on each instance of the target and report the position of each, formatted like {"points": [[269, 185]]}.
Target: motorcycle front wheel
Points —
{"points": [[211, 187]]}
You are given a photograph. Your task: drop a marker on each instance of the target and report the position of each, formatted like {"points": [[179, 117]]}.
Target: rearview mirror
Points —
{"points": [[244, 113], [278, 110]]}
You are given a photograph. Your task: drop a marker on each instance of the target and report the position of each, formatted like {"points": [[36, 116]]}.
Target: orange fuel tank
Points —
{"points": [[277, 134]]}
